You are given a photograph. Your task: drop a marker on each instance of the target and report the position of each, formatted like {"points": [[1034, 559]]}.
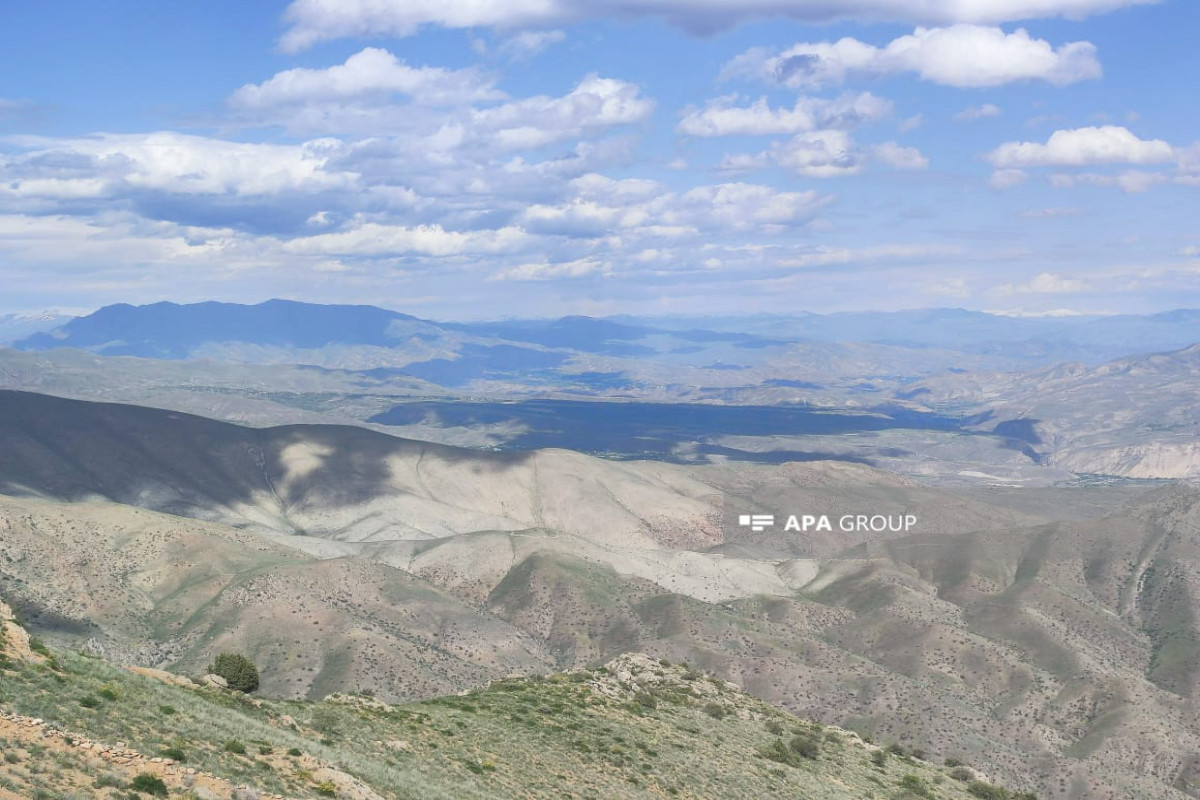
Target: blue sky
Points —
{"points": [[465, 159]]}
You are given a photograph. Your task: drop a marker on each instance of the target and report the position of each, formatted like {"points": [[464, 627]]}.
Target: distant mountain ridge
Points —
{"points": [[178, 331]]}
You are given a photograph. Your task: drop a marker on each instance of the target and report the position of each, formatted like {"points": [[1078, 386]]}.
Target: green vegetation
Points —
{"points": [[238, 671], [586, 734], [149, 784]]}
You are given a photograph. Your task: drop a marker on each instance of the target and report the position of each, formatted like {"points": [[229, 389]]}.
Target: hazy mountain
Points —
{"points": [[1134, 417], [14, 327]]}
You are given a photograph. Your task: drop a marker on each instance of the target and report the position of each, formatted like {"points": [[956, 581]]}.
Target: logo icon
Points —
{"points": [[756, 522]]}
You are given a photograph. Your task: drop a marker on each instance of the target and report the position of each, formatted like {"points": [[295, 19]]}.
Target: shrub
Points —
{"points": [[805, 746], [108, 694], [716, 710], [89, 702], [961, 773], [775, 726], [167, 710], [149, 784], [236, 747], [173, 753], [294, 751], [915, 785], [879, 757], [326, 789], [987, 791], [238, 671], [645, 700]]}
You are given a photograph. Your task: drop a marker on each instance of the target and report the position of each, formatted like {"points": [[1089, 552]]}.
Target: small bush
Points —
{"points": [[89, 702], [173, 753], [916, 786], [149, 783], [879, 757], [716, 710], [265, 750], [775, 726], [294, 751], [108, 694], [238, 671], [805, 747], [234, 746], [167, 711], [326, 789], [961, 773], [645, 700], [987, 791]]}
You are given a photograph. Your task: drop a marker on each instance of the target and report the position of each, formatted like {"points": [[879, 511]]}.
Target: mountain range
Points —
{"points": [[1047, 636]]}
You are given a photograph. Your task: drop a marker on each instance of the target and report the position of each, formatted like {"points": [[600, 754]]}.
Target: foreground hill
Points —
{"points": [[637, 727]]}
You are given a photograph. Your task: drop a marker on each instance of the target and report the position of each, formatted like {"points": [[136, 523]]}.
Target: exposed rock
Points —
{"points": [[166, 677], [214, 681], [14, 640]]}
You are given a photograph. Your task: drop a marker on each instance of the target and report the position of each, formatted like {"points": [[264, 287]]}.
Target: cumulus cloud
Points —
{"points": [[900, 157], [548, 270], [313, 21], [602, 206], [111, 165], [825, 154], [961, 55], [1109, 144], [372, 72], [974, 113], [724, 116], [375, 240], [595, 102]]}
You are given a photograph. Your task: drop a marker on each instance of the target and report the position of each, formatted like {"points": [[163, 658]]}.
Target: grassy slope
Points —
{"points": [[638, 728]]}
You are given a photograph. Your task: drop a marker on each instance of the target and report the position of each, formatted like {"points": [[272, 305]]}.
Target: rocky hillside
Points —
{"points": [[76, 727]]}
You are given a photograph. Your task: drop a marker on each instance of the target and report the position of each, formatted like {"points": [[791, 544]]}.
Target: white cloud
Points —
{"points": [[722, 117], [1109, 144], [825, 154], [1130, 181], [527, 44], [899, 157], [602, 206], [595, 102], [312, 21], [1007, 178], [910, 123], [547, 270], [376, 240], [960, 55], [370, 72], [973, 113], [1044, 283], [111, 165], [825, 256]]}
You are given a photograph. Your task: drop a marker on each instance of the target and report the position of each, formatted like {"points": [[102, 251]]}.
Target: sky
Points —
{"points": [[478, 159]]}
